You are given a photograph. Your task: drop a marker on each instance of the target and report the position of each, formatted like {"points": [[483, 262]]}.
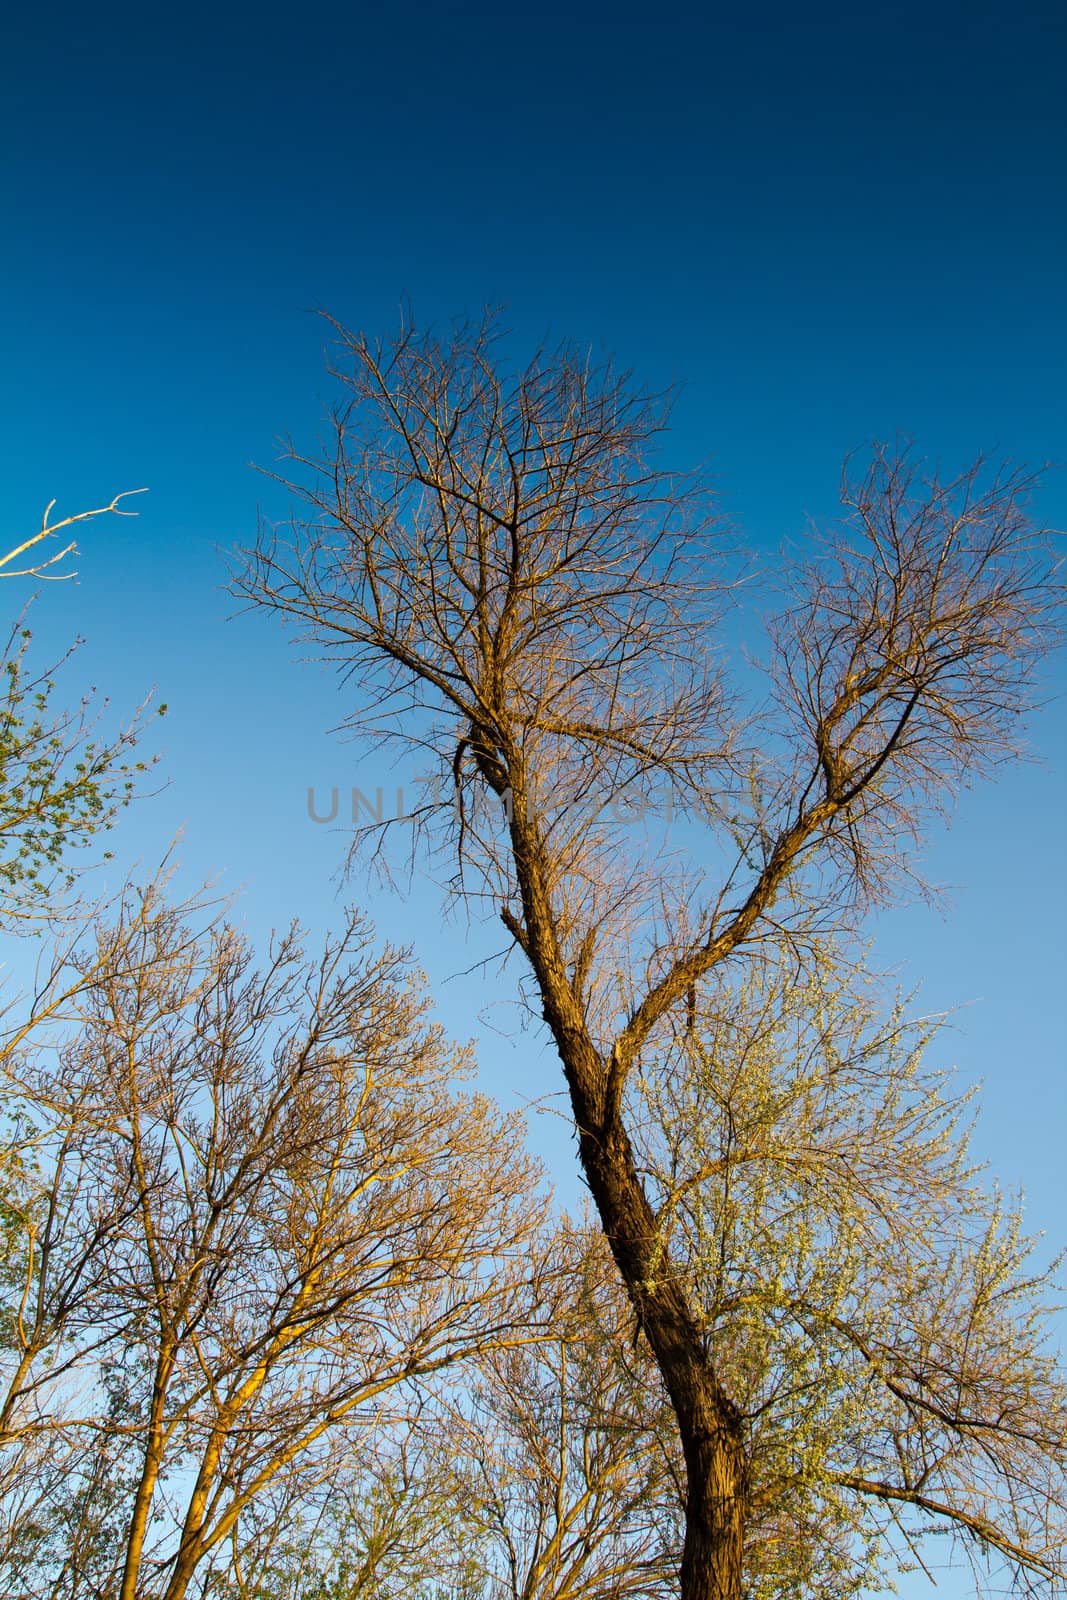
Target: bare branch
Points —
{"points": [[48, 530]]}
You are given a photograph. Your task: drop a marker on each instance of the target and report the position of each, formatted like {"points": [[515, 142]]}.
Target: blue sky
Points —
{"points": [[826, 226]]}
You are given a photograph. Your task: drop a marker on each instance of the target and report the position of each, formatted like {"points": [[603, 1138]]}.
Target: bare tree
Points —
{"points": [[264, 1210], [512, 583]]}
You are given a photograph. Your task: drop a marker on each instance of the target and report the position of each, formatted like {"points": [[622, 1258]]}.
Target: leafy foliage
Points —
{"points": [[873, 1308], [62, 783]]}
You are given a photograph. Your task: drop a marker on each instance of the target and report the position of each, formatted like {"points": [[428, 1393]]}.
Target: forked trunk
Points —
{"points": [[709, 1426]]}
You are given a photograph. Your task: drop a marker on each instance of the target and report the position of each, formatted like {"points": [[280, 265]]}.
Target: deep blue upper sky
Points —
{"points": [[828, 226]]}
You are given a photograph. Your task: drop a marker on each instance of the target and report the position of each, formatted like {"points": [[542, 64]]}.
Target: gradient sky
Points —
{"points": [[826, 226]]}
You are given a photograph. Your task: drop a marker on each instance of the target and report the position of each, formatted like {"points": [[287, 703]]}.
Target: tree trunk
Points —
{"points": [[710, 1427], [184, 1568], [150, 1469], [712, 1554]]}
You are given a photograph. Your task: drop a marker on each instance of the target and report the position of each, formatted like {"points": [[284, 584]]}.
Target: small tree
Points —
{"points": [[514, 585], [62, 783], [265, 1217]]}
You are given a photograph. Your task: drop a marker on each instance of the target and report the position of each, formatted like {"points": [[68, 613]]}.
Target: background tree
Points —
{"points": [[543, 1473], [62, 783], [498, 564], [265, 1218]]}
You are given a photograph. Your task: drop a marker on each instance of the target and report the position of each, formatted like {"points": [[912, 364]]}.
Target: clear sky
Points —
{"points": [[827, 224]]}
